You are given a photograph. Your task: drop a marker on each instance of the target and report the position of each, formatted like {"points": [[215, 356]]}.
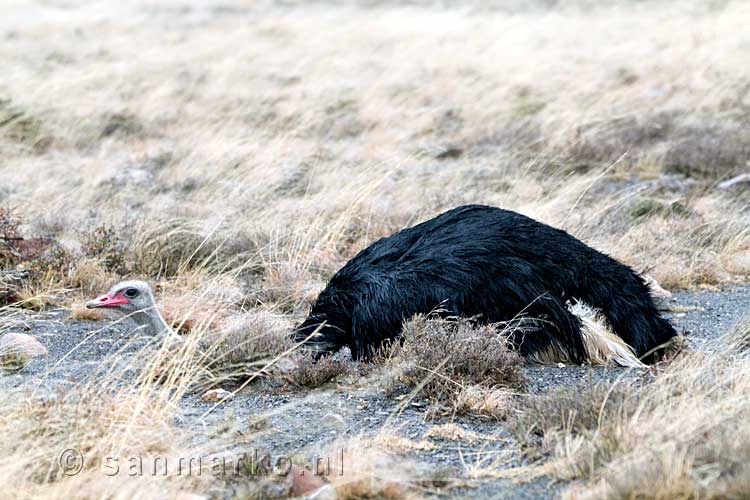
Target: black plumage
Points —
{"points": [[489, 264]]}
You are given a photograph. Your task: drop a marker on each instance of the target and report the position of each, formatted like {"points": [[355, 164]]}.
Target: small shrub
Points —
{"points": [[54, 264], [104, 244], [9, 236], [310, 374], [709, 152], [455, 364]]}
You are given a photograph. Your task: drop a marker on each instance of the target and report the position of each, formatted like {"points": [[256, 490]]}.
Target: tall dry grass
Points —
{"points": [[288, 138], [126, 409], [120, 431], [679, 433], [236, 155]]}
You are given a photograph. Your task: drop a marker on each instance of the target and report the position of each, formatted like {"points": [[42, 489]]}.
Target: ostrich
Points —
{"points": [[135, 300], [494, 266]]}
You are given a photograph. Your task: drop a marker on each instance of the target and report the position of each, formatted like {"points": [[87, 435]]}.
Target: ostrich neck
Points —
{"points": [[151, 321]]}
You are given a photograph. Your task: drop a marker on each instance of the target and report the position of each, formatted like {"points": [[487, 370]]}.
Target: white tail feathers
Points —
{"points": [[602, 345]]}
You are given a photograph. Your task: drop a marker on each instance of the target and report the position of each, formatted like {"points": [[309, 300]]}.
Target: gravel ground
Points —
{"points": [[279, 423], [709, 313]]}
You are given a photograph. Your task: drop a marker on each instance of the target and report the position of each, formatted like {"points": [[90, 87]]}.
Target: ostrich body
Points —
{"points": [[491, 265]]}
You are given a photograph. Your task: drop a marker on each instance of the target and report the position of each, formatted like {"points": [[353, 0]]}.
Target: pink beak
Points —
{"points": [[107, 300]]}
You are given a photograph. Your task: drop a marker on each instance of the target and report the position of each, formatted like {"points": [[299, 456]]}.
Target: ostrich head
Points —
{"points": [[135, 300]]}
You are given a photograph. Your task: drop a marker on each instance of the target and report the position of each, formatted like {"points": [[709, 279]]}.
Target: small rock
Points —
{"points": [[304, 482], [215, 395], [333, 419], [16, 349]]}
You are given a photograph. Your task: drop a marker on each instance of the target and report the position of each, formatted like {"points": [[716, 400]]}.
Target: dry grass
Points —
{"points": [[245, 344], [237, 155], [681, 434], [126, 411], [459, 368], [278, 173], [453, 432]]}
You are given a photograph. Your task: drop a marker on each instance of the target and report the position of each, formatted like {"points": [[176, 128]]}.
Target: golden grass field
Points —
{"points": [[236, 154]]}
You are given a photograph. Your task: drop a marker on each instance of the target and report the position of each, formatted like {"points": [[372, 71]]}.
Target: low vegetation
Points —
{"points": [[680, 433], [237, 155], [458, 367]]}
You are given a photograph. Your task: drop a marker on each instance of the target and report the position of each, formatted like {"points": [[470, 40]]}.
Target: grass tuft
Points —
{"points": [[460, 368]]}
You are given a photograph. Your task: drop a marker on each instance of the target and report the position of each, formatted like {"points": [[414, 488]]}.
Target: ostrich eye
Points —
{"points": [[131, 292]]}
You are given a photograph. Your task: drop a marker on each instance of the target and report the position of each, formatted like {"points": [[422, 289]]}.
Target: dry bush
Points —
{"points": [[9, 235], [105, 245], [308, 373], [459, 367], [682, 434], [48, 259], [709, 152], [33, 268], [607, 140]]}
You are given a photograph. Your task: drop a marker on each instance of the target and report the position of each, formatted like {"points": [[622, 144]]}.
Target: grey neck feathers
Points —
{"points": [[151, 322]]}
